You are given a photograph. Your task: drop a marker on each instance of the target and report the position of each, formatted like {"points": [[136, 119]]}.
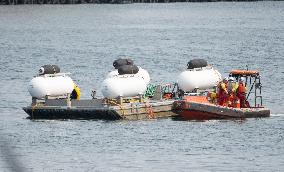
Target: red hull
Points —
{"points": [[193, 110], [199, 115]]}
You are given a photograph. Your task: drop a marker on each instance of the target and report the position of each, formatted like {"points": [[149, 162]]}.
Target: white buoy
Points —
{"points": [[127, 85], [201, 78], [56, 85]]}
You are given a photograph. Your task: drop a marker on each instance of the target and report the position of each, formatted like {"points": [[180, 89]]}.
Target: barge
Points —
{"points": [[97, 109], [125, 96]]}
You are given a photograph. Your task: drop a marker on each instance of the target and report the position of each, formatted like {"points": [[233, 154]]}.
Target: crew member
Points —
{"points": [[241, 93], [232, 85], [223, 92], [233, 100]]}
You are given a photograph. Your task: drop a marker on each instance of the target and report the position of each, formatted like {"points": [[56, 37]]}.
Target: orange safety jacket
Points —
{"points": [[242, 88]]}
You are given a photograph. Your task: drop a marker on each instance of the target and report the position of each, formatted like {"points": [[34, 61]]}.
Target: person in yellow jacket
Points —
{"points": [[222, 97], [232, 90], [232, 85]]}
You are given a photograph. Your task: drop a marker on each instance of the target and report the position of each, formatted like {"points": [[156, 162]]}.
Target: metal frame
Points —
{"points": [[254, 82]]}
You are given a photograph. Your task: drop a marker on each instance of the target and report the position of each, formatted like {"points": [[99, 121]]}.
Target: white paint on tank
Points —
{"points": [[41, 86], [141, 73], [144, 74], [112, 74], [202, 78], [127, 85]]}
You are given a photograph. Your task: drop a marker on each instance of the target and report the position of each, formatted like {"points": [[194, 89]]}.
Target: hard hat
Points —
{"points": [[242, 79], [231, 79], [225, 79]]}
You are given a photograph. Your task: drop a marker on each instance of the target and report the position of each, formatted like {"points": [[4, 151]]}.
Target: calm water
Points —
{"points": [[85, 39]]}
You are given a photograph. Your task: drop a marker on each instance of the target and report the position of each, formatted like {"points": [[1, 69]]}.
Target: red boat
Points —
{"points": [[199, 106]]}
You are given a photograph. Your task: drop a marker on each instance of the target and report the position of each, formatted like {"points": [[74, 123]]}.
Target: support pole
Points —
{"points": [[120, 100], [140, 98], [34, 101], [68, 100], [255, 92], [197, 91]]}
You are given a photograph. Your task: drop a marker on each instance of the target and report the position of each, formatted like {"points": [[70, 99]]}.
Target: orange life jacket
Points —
{"points": [[241, 88]]}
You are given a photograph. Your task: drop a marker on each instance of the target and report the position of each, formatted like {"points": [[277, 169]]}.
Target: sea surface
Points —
{"points": [[162, 38]]}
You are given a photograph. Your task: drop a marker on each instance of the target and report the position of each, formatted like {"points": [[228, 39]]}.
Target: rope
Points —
{"points": [[113, 102], [150, 111], [150, 91], [167, 88]]}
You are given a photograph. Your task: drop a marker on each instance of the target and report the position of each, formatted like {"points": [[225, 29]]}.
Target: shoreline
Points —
{"points": [[19, 2]]}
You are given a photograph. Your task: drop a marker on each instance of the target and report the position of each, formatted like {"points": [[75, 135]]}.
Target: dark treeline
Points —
{"points": [[15, 2]]}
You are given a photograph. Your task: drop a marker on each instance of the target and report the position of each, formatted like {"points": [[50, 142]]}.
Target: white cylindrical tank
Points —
{"points": [[123, 85], [141, 73], [202, 78], [112, 74], [144, 74], [41, 86]]}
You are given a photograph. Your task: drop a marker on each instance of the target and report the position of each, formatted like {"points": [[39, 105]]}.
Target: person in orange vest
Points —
{"points": [[222, 98], [241, 93]]}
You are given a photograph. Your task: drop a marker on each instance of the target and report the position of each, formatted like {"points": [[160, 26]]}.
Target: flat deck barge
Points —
{"points": [[96, 109]]}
